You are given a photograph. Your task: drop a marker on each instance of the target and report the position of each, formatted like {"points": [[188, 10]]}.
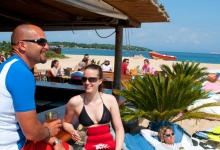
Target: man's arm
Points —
{"points": [[33, 129]]}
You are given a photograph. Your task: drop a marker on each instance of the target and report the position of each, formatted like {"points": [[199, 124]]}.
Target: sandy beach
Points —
{"points": [[134, 62], [189, 125]]}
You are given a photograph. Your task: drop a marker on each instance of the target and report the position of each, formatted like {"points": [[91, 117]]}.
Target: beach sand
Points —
{"points": [[189, 125], [134, 62]]}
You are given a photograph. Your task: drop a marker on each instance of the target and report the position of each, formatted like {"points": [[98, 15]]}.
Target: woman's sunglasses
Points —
{"points": [[40, 41], [168, 135], [90, 79]]}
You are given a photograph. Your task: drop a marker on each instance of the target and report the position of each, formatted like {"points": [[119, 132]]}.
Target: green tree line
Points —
{"points": [[96, 46], [5, 47]]}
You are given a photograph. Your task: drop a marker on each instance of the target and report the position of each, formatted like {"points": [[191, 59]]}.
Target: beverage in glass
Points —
{"points": [[81, 131], [51, 116]]}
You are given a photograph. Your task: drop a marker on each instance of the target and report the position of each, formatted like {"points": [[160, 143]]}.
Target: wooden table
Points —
{"points": [[65, 77]]}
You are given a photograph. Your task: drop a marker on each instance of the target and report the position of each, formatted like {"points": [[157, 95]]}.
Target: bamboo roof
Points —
{"points": [[54, 15]]}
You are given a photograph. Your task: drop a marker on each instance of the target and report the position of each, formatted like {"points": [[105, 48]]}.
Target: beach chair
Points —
{"points": [[66, 72], [50, 78], [37, 74]]}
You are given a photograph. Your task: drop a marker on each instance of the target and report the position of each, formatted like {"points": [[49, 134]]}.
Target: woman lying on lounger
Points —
{"points": [[166, 136], [95, 110]]}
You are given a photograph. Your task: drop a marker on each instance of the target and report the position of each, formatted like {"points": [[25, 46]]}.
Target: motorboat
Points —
{"points": [[156, 55]]}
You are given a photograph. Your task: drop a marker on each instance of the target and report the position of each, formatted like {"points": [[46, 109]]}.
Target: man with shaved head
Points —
{"points": [[19, 126]]}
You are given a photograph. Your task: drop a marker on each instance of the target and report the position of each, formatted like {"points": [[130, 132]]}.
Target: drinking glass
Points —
{"points": [[82, 134], [51, 116]]}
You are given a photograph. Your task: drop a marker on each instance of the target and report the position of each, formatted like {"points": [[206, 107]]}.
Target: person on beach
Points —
{"points": [[107, 67], [124, 66], [96, 111], [167, 137], [86, 59], [86, 56], [55, 68], [19, 126], [1, 59], [147, 68], [79, 73]]}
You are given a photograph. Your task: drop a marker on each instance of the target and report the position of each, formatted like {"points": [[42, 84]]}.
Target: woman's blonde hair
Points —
{"points": [[162, 131]]}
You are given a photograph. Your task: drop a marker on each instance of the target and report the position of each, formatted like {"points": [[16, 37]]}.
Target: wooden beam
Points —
{"points": [[133, 23], [118, 57]]}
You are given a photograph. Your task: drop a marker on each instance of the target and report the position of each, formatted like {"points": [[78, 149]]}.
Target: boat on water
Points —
{"points": [[156, 55]]}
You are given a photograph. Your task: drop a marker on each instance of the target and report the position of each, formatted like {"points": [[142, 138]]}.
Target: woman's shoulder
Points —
{"points": [[108, 98], [76, 100]]}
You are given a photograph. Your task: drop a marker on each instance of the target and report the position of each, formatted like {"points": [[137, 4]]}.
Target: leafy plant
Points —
{"points": [[186, 69], [96, 62], [52, 54], [158, 98], [5, 51]]}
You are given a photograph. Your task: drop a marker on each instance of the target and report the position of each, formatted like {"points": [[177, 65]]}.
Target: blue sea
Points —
{"points": [[182, 56]]}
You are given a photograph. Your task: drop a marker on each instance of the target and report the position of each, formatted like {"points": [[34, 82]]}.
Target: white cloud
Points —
{"points": [[182, 29], [171, 38], [197, 42], [142, 34], [192, 36]]}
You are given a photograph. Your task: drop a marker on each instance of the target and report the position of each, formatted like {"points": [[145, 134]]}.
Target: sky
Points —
{"points": [[194, 27]]}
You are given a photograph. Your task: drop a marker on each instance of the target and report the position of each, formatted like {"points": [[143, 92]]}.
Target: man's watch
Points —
{"points": [[56, 142]]}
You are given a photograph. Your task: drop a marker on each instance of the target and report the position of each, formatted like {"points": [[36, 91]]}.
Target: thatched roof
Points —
{"points": [[80, 14]]}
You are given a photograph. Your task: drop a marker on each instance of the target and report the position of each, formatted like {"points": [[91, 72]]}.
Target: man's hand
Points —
{"points": [[54, 127]]}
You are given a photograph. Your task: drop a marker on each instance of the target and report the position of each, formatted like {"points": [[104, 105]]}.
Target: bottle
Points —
{"points": [[139, 70]]}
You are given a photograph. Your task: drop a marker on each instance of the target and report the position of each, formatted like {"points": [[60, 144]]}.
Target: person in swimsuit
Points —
{"points": [[95, 110]]}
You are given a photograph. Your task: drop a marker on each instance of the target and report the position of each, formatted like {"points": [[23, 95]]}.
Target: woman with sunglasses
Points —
{"points": [[166, 137], [55, 68], [95, 110]]}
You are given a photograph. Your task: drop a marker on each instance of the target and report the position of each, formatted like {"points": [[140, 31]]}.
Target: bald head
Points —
{"points": [[26, 41], [25, 31]]}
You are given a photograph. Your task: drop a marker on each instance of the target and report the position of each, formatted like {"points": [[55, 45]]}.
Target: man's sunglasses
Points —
{"points": [[91, 79], [40, 41], [168, 135]]}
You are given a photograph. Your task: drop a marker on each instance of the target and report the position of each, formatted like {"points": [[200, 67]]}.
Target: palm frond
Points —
{"points": [[163, 98]]}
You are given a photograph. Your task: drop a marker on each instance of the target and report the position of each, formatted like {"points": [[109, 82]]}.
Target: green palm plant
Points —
{"points": [[158, 98], [186, 69]]}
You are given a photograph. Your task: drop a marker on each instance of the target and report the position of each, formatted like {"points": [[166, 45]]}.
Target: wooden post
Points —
{"points": [[118, 58]]}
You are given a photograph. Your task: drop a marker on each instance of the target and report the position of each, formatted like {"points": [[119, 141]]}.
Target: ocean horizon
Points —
{"points": [[181, 56]]}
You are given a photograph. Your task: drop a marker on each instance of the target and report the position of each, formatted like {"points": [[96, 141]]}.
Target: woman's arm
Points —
{"points": [[54, 72], [147, 134], [117, 123], [67, 120], [111, 69]]}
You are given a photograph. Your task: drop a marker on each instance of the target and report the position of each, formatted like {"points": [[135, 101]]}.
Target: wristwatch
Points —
{"points": [[56, 142]]}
